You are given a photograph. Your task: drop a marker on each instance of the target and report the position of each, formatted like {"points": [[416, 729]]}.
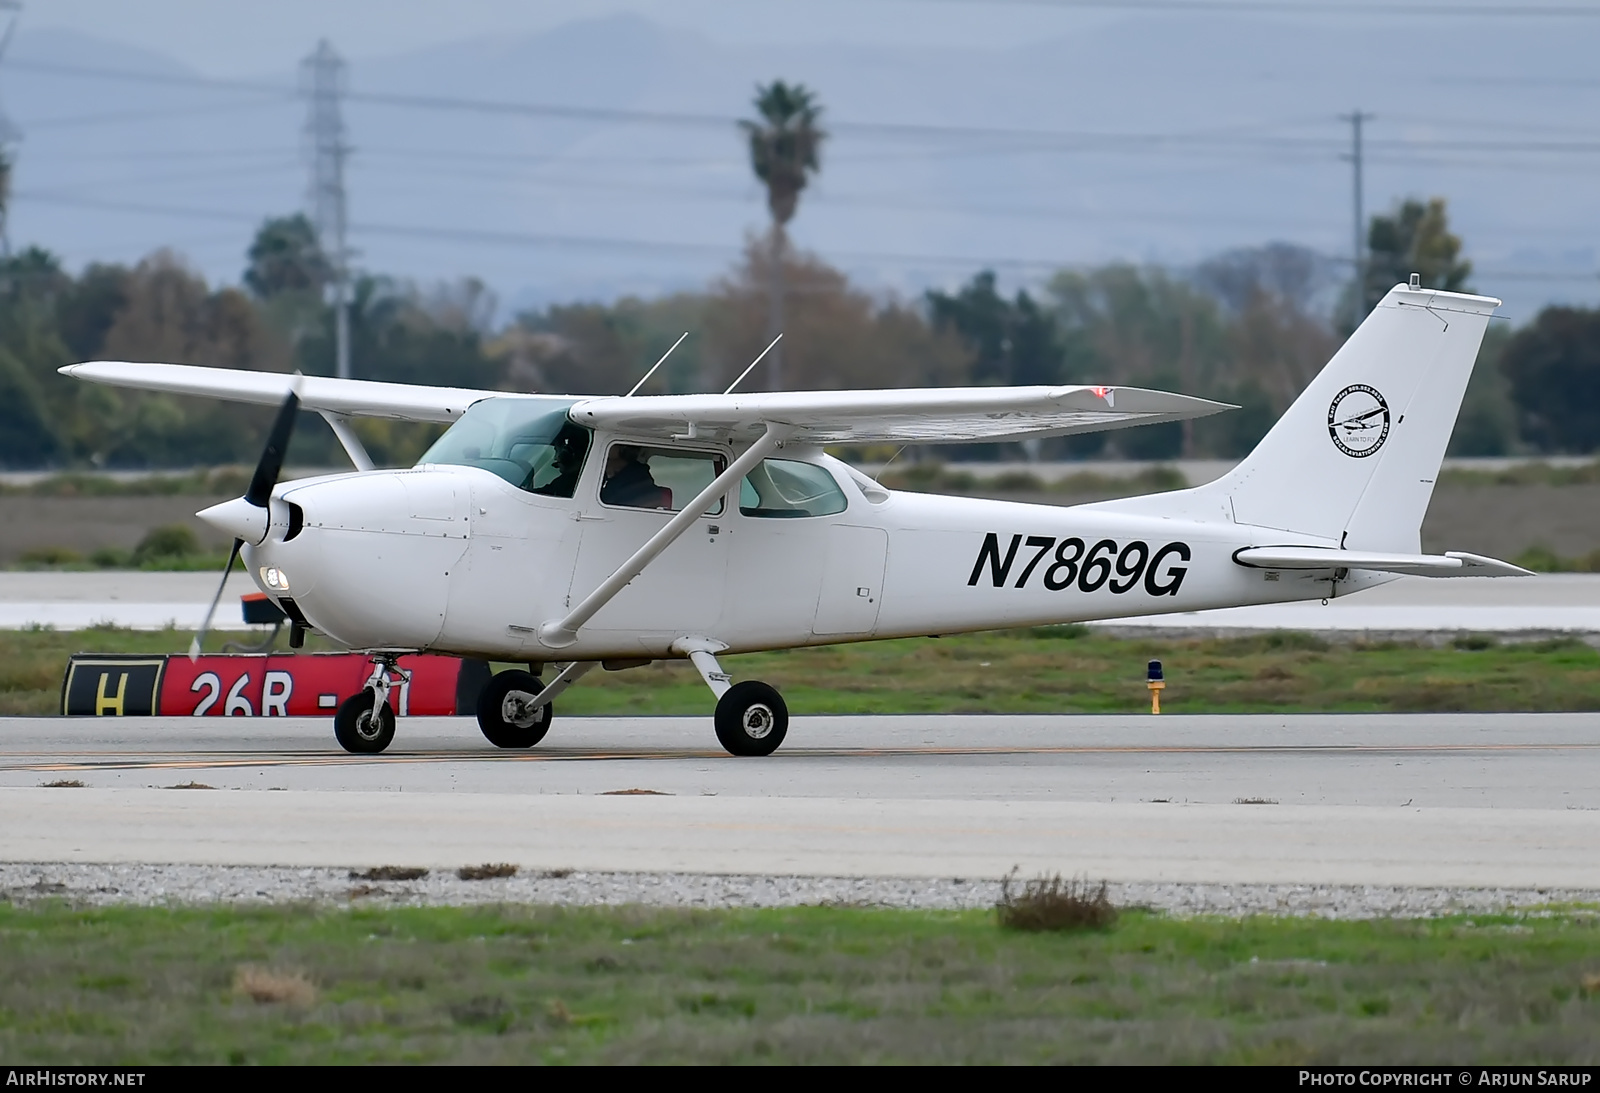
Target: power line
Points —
{"points": [[1078, 140], [1318, 9]]}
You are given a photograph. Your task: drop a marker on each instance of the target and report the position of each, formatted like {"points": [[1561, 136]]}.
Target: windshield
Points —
{"points": [[527, 441]]}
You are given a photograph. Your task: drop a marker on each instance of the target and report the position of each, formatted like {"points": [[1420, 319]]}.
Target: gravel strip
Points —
{"points": [[180, 885]]}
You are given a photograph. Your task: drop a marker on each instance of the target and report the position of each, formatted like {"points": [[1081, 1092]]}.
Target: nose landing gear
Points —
{"points": [[365, 722]]}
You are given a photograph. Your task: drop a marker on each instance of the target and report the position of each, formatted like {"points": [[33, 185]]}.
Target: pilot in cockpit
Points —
{"points": [[628, 481]]}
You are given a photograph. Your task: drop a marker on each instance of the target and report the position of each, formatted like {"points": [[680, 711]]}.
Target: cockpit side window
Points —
{"points": [[528, 442], [637, 477], [787, 489]]}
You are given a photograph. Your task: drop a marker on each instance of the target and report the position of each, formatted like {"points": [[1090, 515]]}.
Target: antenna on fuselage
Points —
{"points": [[658, 364], [753, 363]]}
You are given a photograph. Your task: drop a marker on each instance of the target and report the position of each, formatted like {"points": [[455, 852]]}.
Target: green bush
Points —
{"points": [[167, 541], [51, 556]]}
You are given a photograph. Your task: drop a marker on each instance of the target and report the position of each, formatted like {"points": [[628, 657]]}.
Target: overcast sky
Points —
{"points": [[1222, 129], [220, 37]]}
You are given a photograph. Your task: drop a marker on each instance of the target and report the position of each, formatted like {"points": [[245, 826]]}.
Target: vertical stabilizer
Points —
{"points": [[1355, 458]]}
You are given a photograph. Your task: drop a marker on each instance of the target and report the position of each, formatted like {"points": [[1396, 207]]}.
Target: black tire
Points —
{"points": [[751, 719], [357, 730], [497, 710]]}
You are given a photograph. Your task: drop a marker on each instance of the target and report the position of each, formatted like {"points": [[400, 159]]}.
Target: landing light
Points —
{"points": [[275, 578]]}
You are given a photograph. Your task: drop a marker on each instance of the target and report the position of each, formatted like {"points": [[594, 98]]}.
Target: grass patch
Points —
{"points": [[1541, 559], [959, 479], [1074, 670], [1524, 474], [1066, 669], [136, 986], [206, 482]]}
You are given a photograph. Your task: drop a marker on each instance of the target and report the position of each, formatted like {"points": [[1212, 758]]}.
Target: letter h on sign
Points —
{"points": [[104, 702]]}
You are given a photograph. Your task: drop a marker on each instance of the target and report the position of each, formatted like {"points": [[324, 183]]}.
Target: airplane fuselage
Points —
{"points": [[455, 559]]}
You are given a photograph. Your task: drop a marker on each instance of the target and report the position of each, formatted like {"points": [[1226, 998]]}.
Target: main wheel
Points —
{"points": [[751, 719], [358, 730], [503, 712]]}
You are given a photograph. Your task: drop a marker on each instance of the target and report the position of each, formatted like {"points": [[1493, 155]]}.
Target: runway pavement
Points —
{"points": [[1433, 800], [1549, 603]]}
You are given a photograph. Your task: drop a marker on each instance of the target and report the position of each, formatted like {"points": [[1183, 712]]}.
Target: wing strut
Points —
{"points": [[558, 633], [340, 424]]}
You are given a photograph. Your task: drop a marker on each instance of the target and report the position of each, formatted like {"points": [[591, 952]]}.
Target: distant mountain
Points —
{"points": [[1175, 137]]}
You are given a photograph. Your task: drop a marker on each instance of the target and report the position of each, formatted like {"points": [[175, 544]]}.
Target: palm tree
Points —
{"points": [[784, 152]]}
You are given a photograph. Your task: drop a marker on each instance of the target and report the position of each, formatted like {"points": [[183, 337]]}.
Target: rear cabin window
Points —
{"points": [[636, 477], [786, 489]]}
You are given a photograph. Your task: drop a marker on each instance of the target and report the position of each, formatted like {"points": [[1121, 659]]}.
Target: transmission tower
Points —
{"points": [[1359, 250], [323, 83], [10, 135]]}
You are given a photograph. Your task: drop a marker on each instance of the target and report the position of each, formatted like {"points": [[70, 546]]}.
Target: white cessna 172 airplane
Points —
{"points": [[617, 530]]}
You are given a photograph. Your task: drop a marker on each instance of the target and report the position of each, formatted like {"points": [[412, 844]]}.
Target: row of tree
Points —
{"points": [[1250, 327]]}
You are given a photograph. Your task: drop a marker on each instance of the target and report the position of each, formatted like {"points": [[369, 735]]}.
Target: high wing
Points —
{"points": [[349, 398], [923, 416], [919, 416]]}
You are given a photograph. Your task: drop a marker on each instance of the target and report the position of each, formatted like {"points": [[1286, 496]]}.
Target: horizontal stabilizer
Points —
{"points": [[1453, 563]]}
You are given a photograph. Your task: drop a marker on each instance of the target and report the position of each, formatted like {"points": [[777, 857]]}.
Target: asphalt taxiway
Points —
{"points": [[1422, 800]]}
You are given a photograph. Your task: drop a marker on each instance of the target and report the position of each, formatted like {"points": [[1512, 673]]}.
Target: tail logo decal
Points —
{"points": [[1358, 420]]}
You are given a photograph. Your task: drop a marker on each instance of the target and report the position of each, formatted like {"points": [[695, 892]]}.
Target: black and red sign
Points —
{"points": [[261, 685]]}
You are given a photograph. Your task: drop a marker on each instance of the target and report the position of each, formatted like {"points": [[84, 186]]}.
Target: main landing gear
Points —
{"points": [[515, 707], [751, 717]]}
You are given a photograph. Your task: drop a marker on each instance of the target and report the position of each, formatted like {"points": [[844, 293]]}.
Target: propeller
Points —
{"points": [[243, 516]]}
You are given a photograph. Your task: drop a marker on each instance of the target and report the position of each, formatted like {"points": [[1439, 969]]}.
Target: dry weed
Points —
{"points": [[487, 871], [63, 783], [274, 985], [1050, 903], [389, 872]]}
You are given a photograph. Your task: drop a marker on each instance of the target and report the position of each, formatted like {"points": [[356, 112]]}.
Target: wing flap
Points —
{"points": [[1453, 563], [914, 416], [353, 398]]}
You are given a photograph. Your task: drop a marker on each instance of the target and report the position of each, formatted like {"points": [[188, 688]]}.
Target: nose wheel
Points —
{"points": [[362, 725]]}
